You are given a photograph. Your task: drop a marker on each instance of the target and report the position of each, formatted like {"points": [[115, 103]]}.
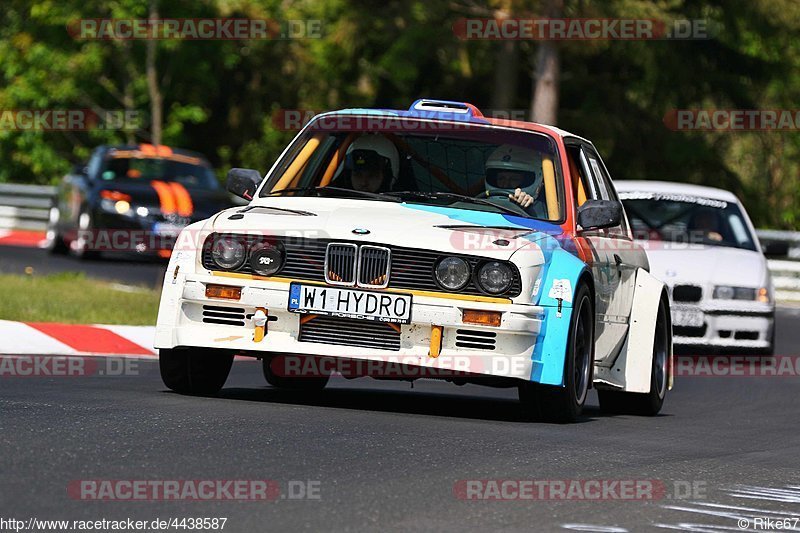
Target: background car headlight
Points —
{"points": [[266, 259], [452, 273], [495, 277], [723, 292], [117, 207], [228, 252]]}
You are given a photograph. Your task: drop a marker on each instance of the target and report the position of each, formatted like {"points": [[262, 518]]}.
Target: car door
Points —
{"points": [[595, 239], [624, 258]]}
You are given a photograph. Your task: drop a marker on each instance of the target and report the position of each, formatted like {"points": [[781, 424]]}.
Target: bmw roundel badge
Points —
{"points": [[361, 231]]}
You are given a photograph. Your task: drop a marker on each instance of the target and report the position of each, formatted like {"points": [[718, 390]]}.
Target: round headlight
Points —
{"points": [[266, 259], [452, 273], [495, 277], [228, 252]]}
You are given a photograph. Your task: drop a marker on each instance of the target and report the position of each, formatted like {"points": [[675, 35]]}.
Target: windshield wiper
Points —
{"points": [[341, 191], [461, 198]]}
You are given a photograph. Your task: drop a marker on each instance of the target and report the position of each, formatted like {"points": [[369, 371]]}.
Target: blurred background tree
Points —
{"points": [[219, 97]]}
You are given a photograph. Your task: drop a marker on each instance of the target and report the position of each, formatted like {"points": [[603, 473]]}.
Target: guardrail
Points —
{"points": [[25, 206], [786, 277]]}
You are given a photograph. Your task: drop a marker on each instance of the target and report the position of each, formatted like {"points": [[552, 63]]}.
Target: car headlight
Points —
{"points": [[228, 252], [452, 273], [495, 277], [724, 292], [117, 207], [267, 259]]}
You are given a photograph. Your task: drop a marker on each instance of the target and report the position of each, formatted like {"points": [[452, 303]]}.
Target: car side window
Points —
{"points": [[95, 162], [582, 184], [607, 191]]}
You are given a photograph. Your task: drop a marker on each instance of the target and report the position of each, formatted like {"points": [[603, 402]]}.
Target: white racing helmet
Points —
{"points": [[525, 162], [382, 148]]}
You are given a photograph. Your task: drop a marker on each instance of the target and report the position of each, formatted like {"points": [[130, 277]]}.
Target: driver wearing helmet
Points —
{"points": [[375, 163], [515, 170]]}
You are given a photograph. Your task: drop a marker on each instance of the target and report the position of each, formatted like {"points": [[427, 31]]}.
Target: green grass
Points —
{"points": [[71, 297]]}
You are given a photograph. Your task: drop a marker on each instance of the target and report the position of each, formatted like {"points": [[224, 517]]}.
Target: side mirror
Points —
{"points": [[775, 248], [599, 214], [243, 182]]}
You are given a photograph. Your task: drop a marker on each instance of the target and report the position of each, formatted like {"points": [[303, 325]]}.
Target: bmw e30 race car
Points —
{"points": [[434, 237], [132, 199]]}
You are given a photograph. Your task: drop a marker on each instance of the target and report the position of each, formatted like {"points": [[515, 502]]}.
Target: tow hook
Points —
{"points": [[260, 318]]}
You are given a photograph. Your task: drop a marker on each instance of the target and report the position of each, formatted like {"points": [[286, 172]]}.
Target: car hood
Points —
{"points": [[708, 265], [397, 224]]}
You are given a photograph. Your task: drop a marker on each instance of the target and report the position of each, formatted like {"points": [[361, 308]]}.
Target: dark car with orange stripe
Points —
{"points": [[133, 198]]}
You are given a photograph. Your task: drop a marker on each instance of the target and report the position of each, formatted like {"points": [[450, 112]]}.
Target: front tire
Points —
{"points": [[80, 248], [649, 403], [55, 242], [195, 371], [565, 404]]}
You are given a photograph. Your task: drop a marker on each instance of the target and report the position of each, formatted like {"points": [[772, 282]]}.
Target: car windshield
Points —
{"points": [[687, 219], [191, 172], [463, 167]]}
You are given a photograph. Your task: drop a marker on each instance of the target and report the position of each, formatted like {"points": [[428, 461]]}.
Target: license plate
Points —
{"points": [[350, 303], [166, 228], [687, 316]]}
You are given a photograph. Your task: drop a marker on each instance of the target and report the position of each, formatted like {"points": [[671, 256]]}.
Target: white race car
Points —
{"points": [[429, 239], [701, 243]]}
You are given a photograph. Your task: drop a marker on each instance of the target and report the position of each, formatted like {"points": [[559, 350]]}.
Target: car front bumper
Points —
{"points": [[737, 327], [188, 318]]}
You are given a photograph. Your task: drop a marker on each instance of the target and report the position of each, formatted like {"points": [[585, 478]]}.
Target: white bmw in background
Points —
{"points": [[701, 243]]}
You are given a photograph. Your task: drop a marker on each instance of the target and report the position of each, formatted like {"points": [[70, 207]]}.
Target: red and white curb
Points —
{"points": [[37, 338], [28, 239]]}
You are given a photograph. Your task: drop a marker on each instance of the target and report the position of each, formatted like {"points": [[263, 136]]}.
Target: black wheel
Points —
{"points": [[80, 247], [649, 403], [271, 367], [55, 242], [564, 404], [200, 371]]}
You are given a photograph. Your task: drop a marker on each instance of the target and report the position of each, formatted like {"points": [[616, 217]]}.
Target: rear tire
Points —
{"points": [[565, 404], [195, 371], [307, 383], [649, 403]]}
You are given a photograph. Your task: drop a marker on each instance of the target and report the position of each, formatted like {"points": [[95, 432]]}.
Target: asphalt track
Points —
{"points": [[388, 457], [128, 269]]}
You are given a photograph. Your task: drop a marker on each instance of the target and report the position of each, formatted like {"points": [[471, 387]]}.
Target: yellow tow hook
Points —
{"points": [[436, 341], [260, 322]]}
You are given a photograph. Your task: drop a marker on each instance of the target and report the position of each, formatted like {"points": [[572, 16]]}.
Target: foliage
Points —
{"points": [[220, 96]]}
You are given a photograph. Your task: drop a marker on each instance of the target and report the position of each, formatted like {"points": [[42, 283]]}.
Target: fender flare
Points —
{"points": [[632, 369], [561, 271], [181, 262]]}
